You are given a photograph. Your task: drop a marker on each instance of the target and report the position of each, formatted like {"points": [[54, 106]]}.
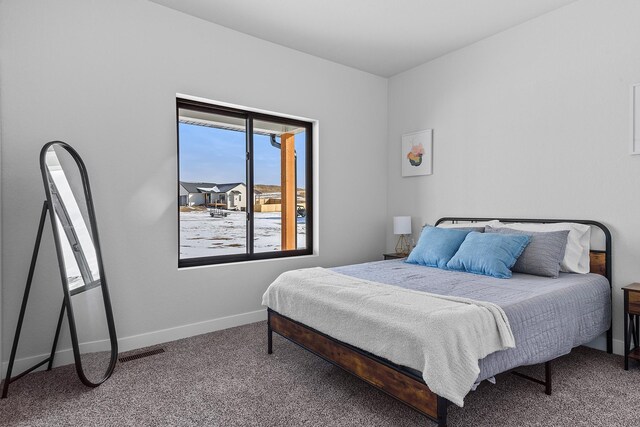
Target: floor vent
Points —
{"points": [[141, 355]]}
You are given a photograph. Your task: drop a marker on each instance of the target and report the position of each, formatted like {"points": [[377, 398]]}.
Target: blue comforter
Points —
{"points": [[548, 317]]}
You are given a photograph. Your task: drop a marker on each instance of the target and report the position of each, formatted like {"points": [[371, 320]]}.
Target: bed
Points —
{"points": [[548, 318]]}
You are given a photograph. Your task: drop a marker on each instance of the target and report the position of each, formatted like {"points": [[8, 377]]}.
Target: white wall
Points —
{"points": [[532, 122], [102, 75]]}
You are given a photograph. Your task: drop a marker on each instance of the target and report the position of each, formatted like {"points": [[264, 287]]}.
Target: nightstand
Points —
{"points": [[394, 256], [631, 322]]}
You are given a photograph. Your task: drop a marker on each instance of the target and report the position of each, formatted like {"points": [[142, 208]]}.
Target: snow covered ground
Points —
{"points": [[201, 235]]}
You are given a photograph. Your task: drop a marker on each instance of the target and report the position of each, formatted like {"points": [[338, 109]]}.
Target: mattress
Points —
{"points": [[548, 317]]}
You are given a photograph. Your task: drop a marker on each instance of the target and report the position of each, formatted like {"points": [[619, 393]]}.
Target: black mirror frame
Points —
{"points": [[65, 285]]}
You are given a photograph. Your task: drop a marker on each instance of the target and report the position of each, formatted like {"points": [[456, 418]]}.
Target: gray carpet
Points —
{"points": [[226, 378]]}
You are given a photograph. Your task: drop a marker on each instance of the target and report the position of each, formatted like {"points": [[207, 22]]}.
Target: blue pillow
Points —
{"points": [[490, 254], [436, 246]]}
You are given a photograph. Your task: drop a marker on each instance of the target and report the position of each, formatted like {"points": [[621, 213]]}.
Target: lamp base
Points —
{"points": [[404, 245]]}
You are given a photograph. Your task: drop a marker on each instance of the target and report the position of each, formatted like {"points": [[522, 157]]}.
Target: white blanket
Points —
{"points": [[442, 337]]}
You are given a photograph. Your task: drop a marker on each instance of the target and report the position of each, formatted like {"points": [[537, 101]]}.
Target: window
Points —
{"points": [[244, 185]]}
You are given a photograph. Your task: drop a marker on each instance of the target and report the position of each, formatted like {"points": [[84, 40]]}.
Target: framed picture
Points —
{"points": [[635, 119], [417, 153]]}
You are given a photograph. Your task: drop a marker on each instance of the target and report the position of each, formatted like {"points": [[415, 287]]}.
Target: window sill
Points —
{"points": [[252, 261]]}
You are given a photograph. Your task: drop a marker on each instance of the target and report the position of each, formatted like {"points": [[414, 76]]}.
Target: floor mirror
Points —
{"points": [[86, 299]]}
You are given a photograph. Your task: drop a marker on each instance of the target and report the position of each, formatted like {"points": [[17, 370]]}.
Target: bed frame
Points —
{"points": [[400, 382]]}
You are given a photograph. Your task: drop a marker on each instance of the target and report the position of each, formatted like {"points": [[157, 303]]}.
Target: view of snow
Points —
{"points": [[74, 225], [202, 235], [213, 155]]}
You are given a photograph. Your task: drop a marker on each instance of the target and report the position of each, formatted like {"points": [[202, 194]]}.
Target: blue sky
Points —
{"points": [[218, 155]]}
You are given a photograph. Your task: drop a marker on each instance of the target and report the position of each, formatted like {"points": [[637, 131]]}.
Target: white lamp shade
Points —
{"points": [[401, 225]]}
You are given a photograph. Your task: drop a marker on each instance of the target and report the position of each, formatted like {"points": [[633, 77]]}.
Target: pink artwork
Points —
{"points": [[415, 155], [417, 150]]}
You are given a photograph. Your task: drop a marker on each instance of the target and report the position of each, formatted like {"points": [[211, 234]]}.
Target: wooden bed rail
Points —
{"points": [[391, 379]]}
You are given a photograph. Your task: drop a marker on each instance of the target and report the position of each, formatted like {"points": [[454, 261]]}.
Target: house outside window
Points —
{"points": [[244, 185]]}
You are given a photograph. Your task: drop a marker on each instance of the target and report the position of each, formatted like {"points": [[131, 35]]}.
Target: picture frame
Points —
{"points": [[635, 119], [417, 153]]}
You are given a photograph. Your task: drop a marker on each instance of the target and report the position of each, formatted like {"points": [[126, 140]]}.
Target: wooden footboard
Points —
{"points": [[384, 375]]}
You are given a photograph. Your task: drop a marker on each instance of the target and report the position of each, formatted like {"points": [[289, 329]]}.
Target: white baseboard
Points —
{"points": [[65, 356], [618, 347]]}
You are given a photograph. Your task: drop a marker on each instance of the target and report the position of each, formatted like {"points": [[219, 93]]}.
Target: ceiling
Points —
{"points": [[383, 37]]}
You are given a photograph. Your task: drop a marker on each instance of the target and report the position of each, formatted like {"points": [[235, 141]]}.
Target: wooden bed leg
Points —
{"points": [[547, 378], [442, 411], [269, 334]]}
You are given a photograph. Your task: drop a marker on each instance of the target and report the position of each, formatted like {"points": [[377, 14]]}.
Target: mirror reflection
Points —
{"points": [[89, 313], [80, 258]]}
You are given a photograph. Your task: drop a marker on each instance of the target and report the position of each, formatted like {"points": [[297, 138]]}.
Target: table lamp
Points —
{"points": [[402, 227]]}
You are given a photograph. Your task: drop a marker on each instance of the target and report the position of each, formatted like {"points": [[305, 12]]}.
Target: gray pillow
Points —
{"points": [[476, 229], [544, 253]]}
